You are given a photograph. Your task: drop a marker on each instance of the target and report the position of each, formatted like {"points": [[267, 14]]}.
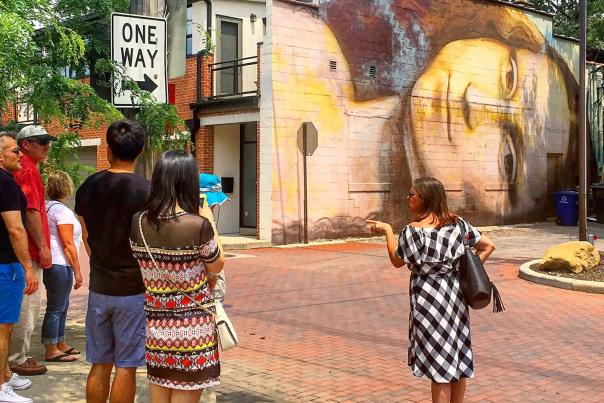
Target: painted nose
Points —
{"points": [[478, 108]]}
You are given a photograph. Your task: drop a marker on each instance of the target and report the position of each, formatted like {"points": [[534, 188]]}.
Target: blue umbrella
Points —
{"points": [[211, 188]]}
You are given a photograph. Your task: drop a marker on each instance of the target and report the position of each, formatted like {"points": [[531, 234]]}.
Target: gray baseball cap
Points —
{"points": [[34, 131]]}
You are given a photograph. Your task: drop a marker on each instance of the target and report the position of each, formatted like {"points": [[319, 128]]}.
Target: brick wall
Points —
{"points": [[433, 101], [186, 91], [204, 148]]}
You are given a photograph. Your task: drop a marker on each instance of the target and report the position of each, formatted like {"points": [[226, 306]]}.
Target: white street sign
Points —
{"points": [[139, 44]]}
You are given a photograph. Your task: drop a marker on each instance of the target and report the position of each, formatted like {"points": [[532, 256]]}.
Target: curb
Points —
{"points": [[246, 246], [312, 243], [525, 272]]}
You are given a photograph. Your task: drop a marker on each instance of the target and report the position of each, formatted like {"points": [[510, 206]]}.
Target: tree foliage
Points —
{"points": [[50, 50], [62, 156], [566, 18], [38, 44]]}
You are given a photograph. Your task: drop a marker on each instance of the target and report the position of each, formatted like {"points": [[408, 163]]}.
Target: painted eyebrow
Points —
{"points": [[518, 36]]}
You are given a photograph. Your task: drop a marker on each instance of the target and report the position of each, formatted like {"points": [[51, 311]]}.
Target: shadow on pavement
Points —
{"points": [[243, 397]]}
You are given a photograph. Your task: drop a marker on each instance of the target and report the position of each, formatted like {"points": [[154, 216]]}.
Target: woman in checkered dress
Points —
{"points": [[440, 347]]}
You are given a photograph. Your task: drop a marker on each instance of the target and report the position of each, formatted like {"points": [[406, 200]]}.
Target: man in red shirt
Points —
{"points": [[34, 142]]}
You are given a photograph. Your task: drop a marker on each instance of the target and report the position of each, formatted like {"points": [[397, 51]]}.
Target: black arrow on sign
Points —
{"points": [[147, 85]]}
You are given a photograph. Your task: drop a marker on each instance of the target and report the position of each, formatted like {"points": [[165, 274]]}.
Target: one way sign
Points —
{"points": [[139, 44]]}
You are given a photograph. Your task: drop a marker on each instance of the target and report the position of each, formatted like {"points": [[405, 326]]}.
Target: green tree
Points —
{"points": [[36, 49], [566, 18], [47, 47]]}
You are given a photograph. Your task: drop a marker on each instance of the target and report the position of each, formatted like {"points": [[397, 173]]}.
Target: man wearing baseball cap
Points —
{"points": [[34, 142]]}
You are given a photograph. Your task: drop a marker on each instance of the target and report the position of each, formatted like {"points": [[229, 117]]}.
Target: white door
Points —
{"points": [[226, 164]]}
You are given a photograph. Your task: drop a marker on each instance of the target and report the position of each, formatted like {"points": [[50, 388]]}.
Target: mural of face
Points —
{"points": [[492, 105], [399, 92], [483, 109]]}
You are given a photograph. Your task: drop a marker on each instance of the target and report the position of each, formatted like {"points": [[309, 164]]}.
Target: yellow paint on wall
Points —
{"points": [[305, 90]]}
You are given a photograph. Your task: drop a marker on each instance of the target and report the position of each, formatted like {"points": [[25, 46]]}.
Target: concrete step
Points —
{"points": [[238, 242]]}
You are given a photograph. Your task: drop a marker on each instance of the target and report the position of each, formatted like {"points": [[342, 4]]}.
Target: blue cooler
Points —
{"points": [[567, 207]]}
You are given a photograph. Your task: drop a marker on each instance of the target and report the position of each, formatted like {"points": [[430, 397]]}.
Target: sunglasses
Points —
{"points": [[43, 142]]}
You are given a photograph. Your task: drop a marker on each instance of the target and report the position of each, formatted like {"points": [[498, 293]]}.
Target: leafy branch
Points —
{"points": [[165, 129], [566, 18]]}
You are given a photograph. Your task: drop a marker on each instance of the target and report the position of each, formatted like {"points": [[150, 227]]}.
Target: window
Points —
{"points": [[67, 72], [72, 72], [264, 26], [189, 29]]}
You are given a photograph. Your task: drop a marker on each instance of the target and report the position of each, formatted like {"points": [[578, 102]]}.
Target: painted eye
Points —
{"points": [[508, 160], [510, 80]]}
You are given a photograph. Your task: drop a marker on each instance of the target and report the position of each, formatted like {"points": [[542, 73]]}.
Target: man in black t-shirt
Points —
{"points": [[115, 321], [16, 271]]}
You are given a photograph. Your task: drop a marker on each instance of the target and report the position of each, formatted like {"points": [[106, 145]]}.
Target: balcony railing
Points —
{"points": [[234, 78]]}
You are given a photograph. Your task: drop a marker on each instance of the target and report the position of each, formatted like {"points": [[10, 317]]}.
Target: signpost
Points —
{"points": [[139, 44], [582, 122], [310, 142]]}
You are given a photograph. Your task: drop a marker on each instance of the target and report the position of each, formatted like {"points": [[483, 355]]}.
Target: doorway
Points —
{"points": [[248, 164], [235, 161], [228, 52]]}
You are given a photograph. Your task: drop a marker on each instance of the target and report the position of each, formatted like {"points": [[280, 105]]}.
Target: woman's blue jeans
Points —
{"points": [[58, 281]]}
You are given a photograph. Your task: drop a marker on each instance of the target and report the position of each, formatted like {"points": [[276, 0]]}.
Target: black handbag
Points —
{"points": [[474, 281]]}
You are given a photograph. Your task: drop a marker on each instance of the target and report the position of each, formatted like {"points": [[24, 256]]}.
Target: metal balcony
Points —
{"points": [[234, 78]]}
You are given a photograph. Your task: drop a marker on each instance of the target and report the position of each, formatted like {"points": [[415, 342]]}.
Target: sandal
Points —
{"points": [[61, 358], [72, 351]]}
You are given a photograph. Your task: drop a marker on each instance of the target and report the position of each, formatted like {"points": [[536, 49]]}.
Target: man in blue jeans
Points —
{"points": [[16, 270], [115, 321]]}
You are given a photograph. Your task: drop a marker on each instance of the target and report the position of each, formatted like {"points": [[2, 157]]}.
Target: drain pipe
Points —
{"points": [[209, 16], [196, 106], [200, 55], [203, 52]]}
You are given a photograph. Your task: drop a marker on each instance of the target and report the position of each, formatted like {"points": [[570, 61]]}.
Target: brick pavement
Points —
{"points": [[328, 323], [331, 326]]}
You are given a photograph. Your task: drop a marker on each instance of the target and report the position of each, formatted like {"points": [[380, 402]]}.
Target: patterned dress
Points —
{"points": [[440, 346], [181, 348]]}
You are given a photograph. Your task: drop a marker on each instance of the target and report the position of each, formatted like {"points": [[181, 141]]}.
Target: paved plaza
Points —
{"points": [[328, 323]]}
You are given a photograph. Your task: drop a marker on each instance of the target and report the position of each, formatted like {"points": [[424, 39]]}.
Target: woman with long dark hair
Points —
{"points": [[178, 253], [431, 246]]}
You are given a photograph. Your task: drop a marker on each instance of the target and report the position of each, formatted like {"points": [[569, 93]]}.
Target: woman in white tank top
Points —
{"points": [[65, 238]]}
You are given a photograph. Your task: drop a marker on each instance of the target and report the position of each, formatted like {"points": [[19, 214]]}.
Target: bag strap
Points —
{"points": [[52, 205], [193, 300], [462, 229], [497, 301], [56, 204]]}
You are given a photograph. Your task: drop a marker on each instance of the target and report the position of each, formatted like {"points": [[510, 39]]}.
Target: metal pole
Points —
{"points": [[582, 123], [137, 7], [304, 152]]}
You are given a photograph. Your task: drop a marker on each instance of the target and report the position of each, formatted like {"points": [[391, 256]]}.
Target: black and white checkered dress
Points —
{"points": [[440, 347]]}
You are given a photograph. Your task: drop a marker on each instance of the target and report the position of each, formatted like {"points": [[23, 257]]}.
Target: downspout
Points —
{"points": [[196, 107], [202, 52], [200, 56]]}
